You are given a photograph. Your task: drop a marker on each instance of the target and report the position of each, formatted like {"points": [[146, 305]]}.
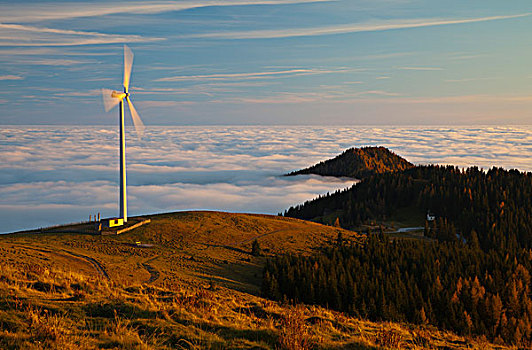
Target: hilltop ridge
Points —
{"points": [[358, 163]]}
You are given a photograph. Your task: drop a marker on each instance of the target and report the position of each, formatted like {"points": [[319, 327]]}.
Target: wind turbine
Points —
{"points": [[110, 99]]}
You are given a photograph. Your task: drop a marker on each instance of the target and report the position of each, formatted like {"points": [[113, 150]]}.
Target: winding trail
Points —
{"points": [[97, 265], [154, 273], [260, 236], [69, 254]]}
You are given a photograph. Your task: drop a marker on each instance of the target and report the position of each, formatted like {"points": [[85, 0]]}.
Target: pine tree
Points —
{"points": [[255, 248], [340, 239], [473, 240]]}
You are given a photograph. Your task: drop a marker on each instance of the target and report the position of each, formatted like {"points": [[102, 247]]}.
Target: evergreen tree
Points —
{"points": [[255, 248]]}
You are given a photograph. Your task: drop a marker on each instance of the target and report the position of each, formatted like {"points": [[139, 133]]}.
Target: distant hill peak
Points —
{"points": [[359, 163]]}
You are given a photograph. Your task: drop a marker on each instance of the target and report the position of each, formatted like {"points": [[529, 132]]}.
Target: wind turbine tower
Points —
{"points": [[111, 99]]}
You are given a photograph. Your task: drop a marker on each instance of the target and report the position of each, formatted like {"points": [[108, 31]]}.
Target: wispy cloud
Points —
{"points": [[252, 75], [459, 99], [48, 62], [420, 68], [201, 88], [157, 104], [48, 51], [306, 97], [24, 35], [466, 56], [99, 79], [194, 90], [380, 97], [79, 93], [346, 28], [239, 84], [36, 12], [463, 80], [286, 98], [379, 93], [11, 77]]}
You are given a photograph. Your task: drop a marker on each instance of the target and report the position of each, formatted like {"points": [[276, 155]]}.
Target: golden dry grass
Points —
{"points": [[196, 288]]}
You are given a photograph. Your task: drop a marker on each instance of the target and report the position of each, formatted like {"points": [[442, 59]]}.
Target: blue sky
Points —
{"points": [[345, 62]]}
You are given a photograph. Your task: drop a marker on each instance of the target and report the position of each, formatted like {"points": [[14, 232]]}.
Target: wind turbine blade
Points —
{"points": [[108, 101], [139, 126], [128, 63]]}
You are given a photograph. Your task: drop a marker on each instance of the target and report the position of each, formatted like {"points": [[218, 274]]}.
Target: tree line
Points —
{"points": [[449, 285], [495, 206]]}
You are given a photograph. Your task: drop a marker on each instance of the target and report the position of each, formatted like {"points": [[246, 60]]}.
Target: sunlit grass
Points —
{"points": [[205, 296]]}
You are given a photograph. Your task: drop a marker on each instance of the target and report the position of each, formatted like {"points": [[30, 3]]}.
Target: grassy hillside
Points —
{"points": [[359, 163], [191, 283]]}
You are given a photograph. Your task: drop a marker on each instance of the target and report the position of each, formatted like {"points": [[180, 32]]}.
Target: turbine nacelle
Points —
{"points": [[119, 95]]}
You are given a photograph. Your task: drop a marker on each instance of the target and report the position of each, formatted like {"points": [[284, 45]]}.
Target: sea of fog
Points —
{"points": [[61, 174]]}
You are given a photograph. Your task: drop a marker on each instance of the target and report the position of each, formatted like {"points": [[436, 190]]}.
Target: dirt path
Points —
{"points": [[154, 273], [259, 236], [230, 247], [71, 255], [97, 265]]}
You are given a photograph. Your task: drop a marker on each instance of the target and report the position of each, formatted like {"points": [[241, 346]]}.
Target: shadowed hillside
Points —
{"points": [[359, 163]]}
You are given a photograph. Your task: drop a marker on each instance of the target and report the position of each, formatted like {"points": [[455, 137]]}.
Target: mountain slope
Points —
{"points": [[359, 163]]}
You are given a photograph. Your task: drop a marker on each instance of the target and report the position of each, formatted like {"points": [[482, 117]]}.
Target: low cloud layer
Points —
{"points": [[52, 175]]}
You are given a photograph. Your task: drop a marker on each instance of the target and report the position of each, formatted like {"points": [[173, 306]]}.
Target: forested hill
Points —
{"points": [[474, 278], [359, 163], [496, 205]]}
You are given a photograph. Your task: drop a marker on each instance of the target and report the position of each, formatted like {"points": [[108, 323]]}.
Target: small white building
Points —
{"points": [[430, 216]]}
